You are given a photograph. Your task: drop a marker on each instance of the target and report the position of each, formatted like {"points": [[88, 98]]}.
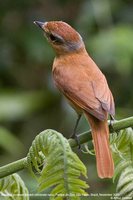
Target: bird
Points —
{"points": [[84, 85]]}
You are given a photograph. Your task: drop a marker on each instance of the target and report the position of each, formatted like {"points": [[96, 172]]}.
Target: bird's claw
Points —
{"points": [[75, 137], [111, 123]]}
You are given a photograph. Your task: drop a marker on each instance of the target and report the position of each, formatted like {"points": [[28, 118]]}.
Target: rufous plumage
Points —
{"points": [[83, 84]]}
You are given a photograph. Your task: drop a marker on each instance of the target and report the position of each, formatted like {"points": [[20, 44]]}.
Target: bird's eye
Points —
{"points": [[55, 39], [52, 37]]}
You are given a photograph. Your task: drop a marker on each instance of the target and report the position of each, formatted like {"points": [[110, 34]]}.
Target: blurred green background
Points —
{"points": [[29, 102]]}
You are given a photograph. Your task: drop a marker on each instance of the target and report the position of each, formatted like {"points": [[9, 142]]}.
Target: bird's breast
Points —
{"points": [[60, 78]]}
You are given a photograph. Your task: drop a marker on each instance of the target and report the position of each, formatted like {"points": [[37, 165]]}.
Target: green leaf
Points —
{"points": [[123, 158], [61, 166], [13, 187]]}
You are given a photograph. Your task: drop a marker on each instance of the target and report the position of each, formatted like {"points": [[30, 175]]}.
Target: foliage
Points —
{"points": [[122, 146], [13, 188], [61, 166], [53, 163]]}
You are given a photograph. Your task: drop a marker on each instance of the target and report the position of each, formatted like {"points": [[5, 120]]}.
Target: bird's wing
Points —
{"points": [[93, 95], [104, 95], [85, 100]]}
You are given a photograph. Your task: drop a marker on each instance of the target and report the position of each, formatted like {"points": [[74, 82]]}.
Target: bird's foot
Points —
{"points": [[111, 123], [75, 137]]}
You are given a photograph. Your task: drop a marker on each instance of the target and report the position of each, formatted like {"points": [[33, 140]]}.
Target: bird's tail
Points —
{"points": [[100, 134]]}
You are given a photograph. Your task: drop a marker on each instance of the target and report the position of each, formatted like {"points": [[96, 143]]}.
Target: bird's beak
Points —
{"points": [[40, 24]]}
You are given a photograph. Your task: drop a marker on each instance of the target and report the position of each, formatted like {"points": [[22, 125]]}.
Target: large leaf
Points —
{"points": [[58, 166], [122, 146]]}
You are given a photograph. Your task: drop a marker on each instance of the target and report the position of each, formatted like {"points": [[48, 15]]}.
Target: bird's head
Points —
{"points": [[62, 37]]}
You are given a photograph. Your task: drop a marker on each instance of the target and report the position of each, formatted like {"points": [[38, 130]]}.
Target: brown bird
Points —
{"points": [[83, 84]]}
